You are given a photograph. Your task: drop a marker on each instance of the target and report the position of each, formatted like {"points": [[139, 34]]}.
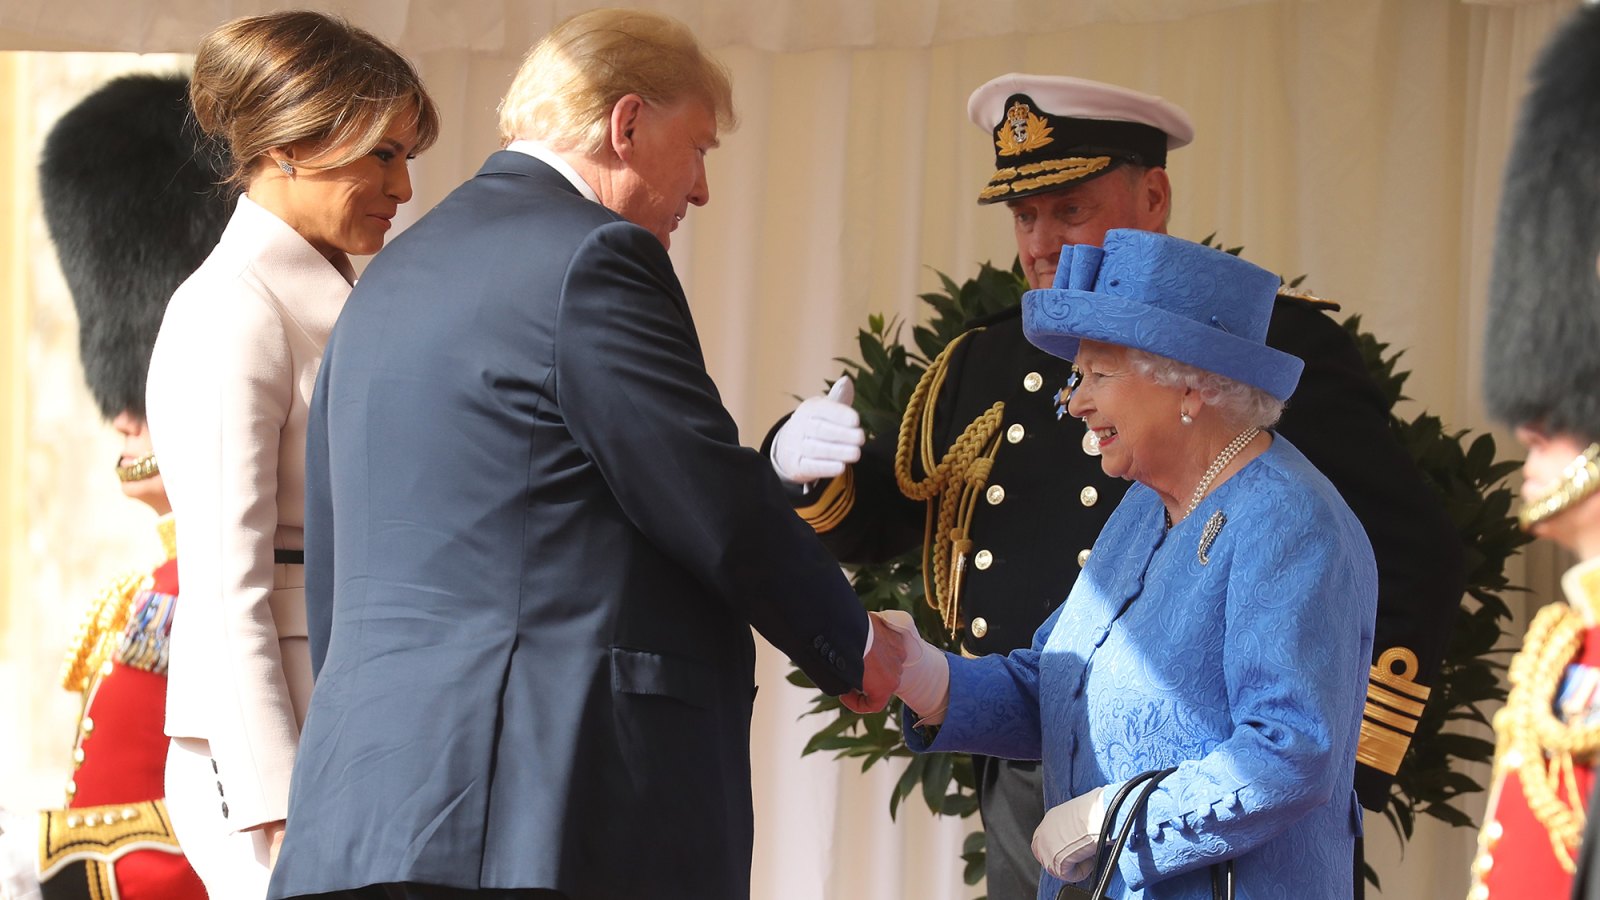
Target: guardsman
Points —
{"points": [[132, 209], [1542, 365], [1004, 490]]}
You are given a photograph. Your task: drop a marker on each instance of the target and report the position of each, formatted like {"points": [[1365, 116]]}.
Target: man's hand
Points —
{"points": [[1064, 843], [884, 662], [820, 439]]}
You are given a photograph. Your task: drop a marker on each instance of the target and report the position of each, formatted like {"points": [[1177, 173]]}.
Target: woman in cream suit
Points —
{"points": [[320, 119]]}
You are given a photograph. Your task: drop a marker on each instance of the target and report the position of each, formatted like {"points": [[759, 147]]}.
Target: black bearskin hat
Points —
{"points": [[1542, 361], [132, 202]]}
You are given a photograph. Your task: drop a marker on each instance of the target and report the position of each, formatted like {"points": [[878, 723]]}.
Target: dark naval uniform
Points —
{"points": [[1034, 520]]}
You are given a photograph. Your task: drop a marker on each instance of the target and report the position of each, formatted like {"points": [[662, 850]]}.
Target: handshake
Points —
{"points": [[901, 663]]}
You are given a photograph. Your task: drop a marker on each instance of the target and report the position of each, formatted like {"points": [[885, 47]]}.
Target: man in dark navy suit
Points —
{"points": [[535, 548]]}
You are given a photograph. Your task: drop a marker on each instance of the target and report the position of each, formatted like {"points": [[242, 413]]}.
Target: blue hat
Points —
{"points": [[1166, 296]]}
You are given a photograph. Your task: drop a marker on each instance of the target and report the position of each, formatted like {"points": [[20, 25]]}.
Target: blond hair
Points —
{"points": [[263, 82], [569, 82]]}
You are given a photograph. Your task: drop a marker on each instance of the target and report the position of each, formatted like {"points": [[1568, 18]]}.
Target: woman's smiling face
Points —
{"points": [[1135, 419]]}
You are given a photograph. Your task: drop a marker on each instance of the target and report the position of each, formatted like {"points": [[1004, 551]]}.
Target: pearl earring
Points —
{"points": [[1185, 418], [284, 165]]}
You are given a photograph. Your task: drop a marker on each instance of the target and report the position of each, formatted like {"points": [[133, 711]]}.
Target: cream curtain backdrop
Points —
{"points": [[1359, 141]]}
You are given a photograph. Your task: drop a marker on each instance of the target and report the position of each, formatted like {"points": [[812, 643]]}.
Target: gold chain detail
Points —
{"points": [[1547, 746], [956, 480], [140, 469], [1579, 479], [101, 631]]}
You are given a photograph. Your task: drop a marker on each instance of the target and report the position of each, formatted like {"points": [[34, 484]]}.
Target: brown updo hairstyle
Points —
{"points": [[268, 81]]}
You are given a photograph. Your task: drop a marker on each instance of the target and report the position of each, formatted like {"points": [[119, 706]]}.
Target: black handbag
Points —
{"points": [[1107, 851]]}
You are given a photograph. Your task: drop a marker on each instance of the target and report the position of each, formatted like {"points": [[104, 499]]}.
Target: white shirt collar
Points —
{"points": [[540, 151]]}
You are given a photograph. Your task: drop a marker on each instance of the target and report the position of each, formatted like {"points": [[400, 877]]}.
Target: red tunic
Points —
{"points": [[115, 817], [1515, 856]]}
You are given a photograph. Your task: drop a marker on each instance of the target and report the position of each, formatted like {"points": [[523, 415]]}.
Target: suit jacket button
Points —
{"points": [[224, 809], [1083, 558], [214, 769], [1015, 433], [220, 792], [980, 627], [983, 560], [817, 642]]}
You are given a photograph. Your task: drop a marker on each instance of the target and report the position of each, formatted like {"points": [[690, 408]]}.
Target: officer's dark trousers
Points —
{"points": [[1011, 801]]}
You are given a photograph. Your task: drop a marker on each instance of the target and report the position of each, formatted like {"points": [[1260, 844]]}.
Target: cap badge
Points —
{"points": [[1023, 130]]}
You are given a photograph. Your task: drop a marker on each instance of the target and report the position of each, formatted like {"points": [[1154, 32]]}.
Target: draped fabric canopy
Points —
{"points": [[1358, 141], [509, 26]]}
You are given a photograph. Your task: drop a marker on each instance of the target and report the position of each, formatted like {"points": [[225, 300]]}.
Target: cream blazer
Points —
{"points": [[229, 386]]}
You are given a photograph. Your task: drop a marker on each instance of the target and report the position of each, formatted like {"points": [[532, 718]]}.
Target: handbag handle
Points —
{"points": [[1107, 851]]}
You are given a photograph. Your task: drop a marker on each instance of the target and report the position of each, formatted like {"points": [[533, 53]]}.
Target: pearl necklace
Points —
{"points": [[1217, 465]]}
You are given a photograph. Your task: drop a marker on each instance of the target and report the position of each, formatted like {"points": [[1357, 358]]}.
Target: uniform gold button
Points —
{"points": [[1091, 443], [88, 724], [1083, 558], [994, 494], [1032, 382], [980, 627], [1480, 892], [73, 821], [1089, 496], [983, 560], [1014, 433], [1494, 830], [72, 787], [91, 820], [128, 813], [77, 756], [105, 670], [1482, 865]]}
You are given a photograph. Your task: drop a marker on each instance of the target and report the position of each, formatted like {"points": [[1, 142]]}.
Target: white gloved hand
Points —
{"points": [[822, 436], [19, 856], [925, 675], [1064, 843]]}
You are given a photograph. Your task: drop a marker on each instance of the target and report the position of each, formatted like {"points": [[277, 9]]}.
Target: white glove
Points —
{"points": [[19, 856], [820, 438], [1064, 843], [925, 676]]}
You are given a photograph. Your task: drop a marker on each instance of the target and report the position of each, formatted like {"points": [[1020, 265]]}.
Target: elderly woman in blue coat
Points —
{"points": [[1223, 624]]}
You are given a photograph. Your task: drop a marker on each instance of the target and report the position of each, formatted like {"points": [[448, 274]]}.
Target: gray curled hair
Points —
{"points": [[1239, 403]]}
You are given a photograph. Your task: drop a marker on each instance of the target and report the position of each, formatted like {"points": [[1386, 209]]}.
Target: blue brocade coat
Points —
{"points": [[1247, 672]]}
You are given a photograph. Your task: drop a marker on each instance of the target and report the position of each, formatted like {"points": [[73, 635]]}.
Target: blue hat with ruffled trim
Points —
{"points": [[1166, 296]]}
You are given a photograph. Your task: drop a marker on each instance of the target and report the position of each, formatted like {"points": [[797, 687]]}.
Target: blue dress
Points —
{"points": [[1242, 660]]}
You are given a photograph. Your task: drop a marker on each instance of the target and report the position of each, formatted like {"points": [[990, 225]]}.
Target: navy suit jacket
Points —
{"points": [[534, 551]]}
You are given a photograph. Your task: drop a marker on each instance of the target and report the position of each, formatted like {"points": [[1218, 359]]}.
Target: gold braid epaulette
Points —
{"points": [[956, 480], [101, 631], [1545, 744]]}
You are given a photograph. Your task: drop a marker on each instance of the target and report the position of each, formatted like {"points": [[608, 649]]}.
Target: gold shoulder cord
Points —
{"points": [[956, 480], [101, 631], [1529, 729]]}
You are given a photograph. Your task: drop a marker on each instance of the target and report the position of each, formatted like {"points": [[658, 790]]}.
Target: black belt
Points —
{"points": [[289, 557]]}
